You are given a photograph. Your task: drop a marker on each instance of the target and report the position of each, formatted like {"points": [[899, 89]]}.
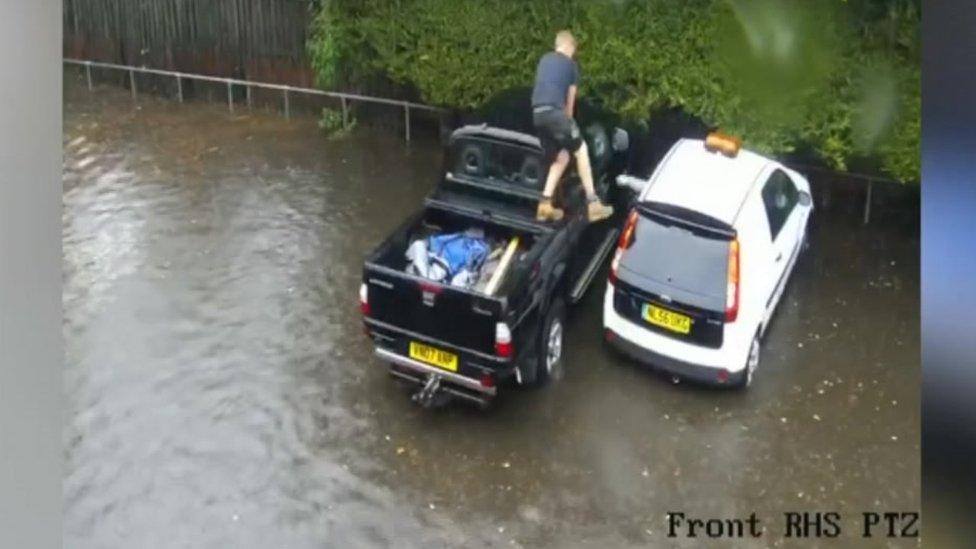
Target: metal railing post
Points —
{"points": [[132, 83], [344, 112], [179, 88], [88, 75], [247, 92], [287, 113], [406, 120], [230, 97], [867, 202]]}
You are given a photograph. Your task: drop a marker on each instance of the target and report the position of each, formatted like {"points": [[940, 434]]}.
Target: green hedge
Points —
{"points": [[840, 77]]}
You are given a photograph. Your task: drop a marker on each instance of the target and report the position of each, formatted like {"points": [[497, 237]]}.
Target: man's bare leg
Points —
{"points": [[595, 210], [546, 210]]}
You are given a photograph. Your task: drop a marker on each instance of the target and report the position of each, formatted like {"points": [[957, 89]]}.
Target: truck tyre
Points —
{"points": [[551, 338]]}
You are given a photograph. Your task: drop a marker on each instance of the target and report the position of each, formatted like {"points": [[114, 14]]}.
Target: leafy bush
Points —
{"points": [[332, 123], [836, 76]]}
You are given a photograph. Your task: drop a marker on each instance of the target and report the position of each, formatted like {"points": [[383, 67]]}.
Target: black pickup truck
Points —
{"points": [[450, 341]]}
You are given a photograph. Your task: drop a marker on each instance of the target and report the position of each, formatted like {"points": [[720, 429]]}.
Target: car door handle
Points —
{"points": [[779, 257]]}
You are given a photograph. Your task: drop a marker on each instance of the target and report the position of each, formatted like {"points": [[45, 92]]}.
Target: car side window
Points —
{"points": [[779, 198]]}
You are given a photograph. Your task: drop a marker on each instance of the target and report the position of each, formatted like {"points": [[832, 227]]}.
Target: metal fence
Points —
{"points": [[285, 89], [869, 179], [345, 98]]}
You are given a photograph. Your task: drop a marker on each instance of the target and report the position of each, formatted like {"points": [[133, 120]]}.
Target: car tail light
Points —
{"points": [[614, 264], [732, 291], [627, 236], [503, 340], [625, 241], [723, 376], [364, 299]]}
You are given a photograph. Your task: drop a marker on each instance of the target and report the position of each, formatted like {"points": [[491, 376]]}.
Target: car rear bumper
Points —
{"points": [[720, 367], [684, 370]]}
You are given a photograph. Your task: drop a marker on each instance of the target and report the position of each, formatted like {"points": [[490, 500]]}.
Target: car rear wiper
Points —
{"points": [[696, 222]]}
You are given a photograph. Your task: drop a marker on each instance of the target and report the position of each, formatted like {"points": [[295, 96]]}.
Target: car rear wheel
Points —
{"points": [[550, 360], [752, 362]]}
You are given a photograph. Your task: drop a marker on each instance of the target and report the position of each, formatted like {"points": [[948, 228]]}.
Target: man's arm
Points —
{"points": [[571, 101]]}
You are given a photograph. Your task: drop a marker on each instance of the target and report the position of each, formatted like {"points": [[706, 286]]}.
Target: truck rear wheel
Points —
{"points": [[550, 357]]}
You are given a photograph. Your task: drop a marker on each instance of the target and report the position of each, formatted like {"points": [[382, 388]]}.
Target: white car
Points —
{"points": [[703, 260]]}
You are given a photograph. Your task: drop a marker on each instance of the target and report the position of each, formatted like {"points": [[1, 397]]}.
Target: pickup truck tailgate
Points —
{"points": [[434, 311]]}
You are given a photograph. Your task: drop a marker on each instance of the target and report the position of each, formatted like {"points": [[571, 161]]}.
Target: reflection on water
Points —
{"points": [[219, 391]]}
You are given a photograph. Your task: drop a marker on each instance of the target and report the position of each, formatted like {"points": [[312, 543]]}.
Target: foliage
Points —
{"points": [[330, 44], [332, 124], [836, 76]]}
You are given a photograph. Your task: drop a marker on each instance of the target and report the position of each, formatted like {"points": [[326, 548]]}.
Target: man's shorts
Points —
{"points": [[557, 132]]}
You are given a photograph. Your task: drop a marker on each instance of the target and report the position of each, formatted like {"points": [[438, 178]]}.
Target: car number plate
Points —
{"points": [[664, 318], [433, 356]]}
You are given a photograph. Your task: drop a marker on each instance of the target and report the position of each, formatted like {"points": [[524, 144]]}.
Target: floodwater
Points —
{"points": [[219, 391]]}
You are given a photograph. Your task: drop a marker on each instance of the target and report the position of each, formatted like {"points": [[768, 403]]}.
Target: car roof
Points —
{"points": [[707, 182]]}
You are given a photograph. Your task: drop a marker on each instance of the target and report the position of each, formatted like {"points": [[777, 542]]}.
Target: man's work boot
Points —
{"points": [[596, 210], [547, 212]]}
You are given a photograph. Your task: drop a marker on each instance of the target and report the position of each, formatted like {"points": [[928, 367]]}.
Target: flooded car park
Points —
{"points": [[219, 388]]}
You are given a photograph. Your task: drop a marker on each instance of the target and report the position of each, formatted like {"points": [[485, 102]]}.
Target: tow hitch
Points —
{"points": [[433, 394], [425, 396]]}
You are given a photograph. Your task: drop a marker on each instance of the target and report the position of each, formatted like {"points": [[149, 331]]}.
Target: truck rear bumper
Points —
{"points": [[413, 371]]}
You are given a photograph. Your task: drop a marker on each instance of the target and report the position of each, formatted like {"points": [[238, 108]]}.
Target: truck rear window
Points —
{"points": [[687, 264], [489, 161]]}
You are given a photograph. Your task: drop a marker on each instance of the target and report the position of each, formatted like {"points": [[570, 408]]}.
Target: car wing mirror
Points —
{"points": [[805, 198], [621, 140]]}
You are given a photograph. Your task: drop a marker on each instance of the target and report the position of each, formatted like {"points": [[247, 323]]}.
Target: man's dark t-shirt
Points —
{"points": [[553, 77]]}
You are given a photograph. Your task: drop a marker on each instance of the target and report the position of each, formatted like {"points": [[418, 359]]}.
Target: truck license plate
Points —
{"points": [[667, 319], [433, 356]]}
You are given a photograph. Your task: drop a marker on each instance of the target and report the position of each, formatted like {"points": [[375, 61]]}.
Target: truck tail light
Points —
{"points": [[503, 340], [732, 290], [625, 241], [487, 380], [364, 299]]}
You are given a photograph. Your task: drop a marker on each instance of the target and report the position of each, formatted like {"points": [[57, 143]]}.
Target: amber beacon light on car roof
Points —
{"points": [[725, 144]]}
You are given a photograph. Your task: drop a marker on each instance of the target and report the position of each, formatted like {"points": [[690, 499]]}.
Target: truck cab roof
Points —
{"points": [[491, 132], [709, 182]]}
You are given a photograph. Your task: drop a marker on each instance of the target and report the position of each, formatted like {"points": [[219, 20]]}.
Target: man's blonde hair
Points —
{"points": [[564, 37]]}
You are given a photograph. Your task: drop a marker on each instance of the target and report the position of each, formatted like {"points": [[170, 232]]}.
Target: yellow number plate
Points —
{"points": [[667, 319], [434, 356]]}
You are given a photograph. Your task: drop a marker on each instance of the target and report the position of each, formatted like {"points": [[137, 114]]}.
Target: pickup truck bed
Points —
{"points": [[463, 319], [432, 220]]}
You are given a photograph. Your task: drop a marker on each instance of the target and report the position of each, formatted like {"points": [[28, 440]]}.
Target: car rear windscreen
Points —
{"points": [[688, 265]]}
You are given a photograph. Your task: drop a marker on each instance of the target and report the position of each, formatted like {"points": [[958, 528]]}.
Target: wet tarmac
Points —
{"points": [[219, 391]]}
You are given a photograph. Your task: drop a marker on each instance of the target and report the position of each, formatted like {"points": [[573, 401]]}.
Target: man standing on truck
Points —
{"points": [[553, 102]]}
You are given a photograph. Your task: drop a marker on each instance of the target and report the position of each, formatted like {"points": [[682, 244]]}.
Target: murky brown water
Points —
{"points": [[219, 391]]}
